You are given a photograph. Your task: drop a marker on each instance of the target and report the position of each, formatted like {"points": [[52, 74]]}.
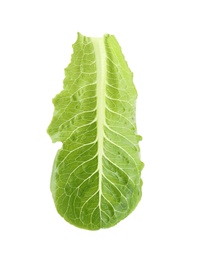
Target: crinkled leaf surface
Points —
{"points": [[96, 174]]}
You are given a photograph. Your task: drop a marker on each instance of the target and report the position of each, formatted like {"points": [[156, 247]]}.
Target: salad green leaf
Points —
{"points": [[96, 174]]}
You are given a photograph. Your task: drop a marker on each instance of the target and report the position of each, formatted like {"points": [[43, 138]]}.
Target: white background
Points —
{"points": [[161, 41]]}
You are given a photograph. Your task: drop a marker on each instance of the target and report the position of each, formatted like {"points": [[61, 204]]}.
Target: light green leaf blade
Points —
{"points": [[96, 180]]}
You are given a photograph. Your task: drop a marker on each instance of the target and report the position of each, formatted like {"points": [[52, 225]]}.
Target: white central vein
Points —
{"points": [[100, 55]]}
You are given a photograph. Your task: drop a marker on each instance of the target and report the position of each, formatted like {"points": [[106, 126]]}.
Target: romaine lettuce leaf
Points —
{"points": [[96, 180]]}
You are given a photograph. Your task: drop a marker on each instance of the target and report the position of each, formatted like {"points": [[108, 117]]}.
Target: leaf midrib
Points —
{"points": [[100, 55]]}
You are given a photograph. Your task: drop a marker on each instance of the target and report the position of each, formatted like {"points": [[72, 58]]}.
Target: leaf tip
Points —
{"points": [[79, 35]]}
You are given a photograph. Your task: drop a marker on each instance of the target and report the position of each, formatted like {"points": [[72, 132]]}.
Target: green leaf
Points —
{"points": [[96, 174]]}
